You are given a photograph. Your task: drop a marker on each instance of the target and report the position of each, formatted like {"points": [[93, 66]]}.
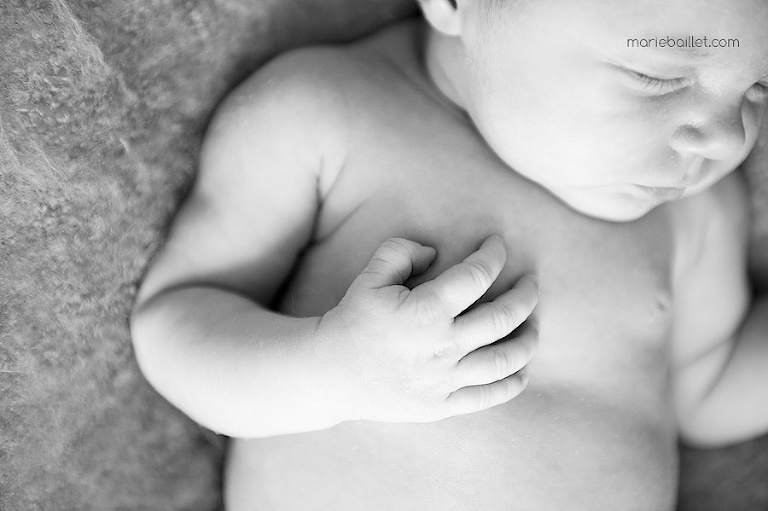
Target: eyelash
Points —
{"points": [[762, 90], [659, 84]]}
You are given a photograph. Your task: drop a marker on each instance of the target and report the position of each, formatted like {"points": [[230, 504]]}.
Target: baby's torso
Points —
{"points": [[594, 429]]}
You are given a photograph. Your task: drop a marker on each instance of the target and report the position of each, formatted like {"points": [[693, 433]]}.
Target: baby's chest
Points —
{"points": [[603, 286]]}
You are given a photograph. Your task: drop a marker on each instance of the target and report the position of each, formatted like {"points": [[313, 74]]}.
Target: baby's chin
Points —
{"points": [[612, 215], [610, 208]]}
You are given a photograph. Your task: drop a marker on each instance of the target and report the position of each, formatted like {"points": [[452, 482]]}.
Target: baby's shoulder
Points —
{"points": [[305, 105], [302, 85], [332, 78], [316, 92]]}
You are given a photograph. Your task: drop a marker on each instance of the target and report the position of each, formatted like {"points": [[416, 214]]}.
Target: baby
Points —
{"points": [[348, 289]]}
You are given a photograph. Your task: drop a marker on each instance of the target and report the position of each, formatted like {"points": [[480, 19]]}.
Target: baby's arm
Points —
{"points": [[721, 387], [199, 335], [205, 339]]}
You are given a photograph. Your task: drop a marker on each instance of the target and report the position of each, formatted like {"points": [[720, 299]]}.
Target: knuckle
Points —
{"points": [[462, 340], [385, 257], [396, 245], [387, 251], [509, 390], [377, 266], [485, 397], [503, 362], [426, 312], [481, 273], [443, 352], [505, 317], [430, 306]]}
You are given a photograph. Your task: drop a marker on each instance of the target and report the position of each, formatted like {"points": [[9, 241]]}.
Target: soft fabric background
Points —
{"points": [[102, 108]]}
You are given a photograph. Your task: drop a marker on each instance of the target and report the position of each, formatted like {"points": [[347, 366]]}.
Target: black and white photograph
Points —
{"points": [[383, 255]]}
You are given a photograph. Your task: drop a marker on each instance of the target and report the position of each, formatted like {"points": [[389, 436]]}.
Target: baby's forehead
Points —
{"points": [[728, 33], [684, 15]]}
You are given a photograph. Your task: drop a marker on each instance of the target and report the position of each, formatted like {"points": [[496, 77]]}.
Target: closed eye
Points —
{"points": [[656, 85]]}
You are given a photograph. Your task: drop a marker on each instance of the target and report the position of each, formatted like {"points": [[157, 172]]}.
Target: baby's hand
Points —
{"points": [[418, 359]]}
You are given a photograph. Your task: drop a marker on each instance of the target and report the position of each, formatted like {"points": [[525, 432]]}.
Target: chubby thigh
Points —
{"points": [[548, 449]]}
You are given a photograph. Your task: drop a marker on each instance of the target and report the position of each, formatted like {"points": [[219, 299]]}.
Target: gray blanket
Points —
{"points": [[102, 108]]}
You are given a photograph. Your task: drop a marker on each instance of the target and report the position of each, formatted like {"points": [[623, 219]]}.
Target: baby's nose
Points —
{"points": [[717, 136]]}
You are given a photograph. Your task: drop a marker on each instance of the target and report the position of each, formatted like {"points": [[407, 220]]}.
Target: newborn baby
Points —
{"points": [[323, 299]]}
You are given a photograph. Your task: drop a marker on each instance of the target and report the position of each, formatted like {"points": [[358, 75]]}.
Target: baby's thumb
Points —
{"points": [[393, 262]]}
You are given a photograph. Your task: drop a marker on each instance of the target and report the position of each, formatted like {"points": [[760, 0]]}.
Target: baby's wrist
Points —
{"points": [[336, 367]]}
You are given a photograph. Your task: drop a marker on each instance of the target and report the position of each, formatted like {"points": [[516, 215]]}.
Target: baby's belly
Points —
{"points": [[553, 448]]}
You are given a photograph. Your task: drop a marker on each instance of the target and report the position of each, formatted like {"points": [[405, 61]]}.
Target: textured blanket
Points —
{"points": [[103, 104]]}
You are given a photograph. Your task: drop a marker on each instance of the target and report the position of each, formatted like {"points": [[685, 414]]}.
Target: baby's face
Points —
{"points": [[612, 130]]}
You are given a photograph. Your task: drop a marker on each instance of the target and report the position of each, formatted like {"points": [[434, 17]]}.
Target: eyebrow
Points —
{"points": [[696, 52]]}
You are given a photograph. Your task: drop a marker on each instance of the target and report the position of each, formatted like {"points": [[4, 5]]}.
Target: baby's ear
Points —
{"points": [[443, 15]]}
